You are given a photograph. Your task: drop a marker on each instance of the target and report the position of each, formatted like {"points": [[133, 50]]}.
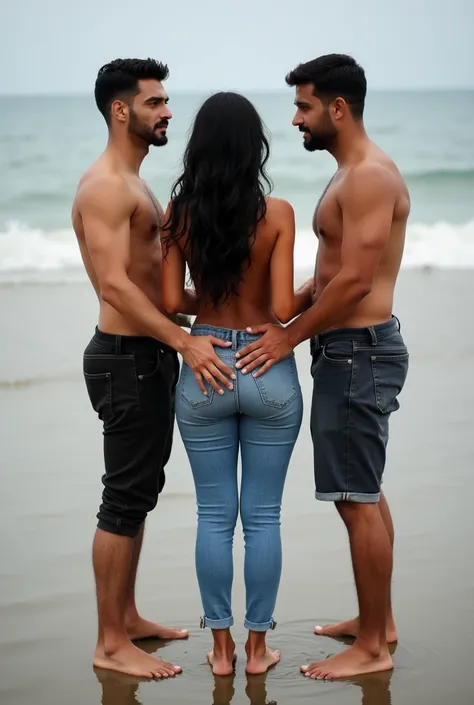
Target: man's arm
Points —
{"points": [[367, 210], [106, 209]]}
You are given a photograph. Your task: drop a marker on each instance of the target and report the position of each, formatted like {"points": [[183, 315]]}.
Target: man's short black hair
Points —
{"points": [[119, 79], [333, 76]]}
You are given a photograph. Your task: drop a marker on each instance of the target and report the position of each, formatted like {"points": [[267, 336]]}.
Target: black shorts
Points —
{"points": [[358, 374], [131, 384]]}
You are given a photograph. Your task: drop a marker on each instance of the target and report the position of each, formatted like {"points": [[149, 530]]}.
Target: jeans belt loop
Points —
{"points": [[373, 335]]}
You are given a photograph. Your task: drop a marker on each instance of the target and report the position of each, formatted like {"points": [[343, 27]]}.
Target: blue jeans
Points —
{"points": [[262, 417]]}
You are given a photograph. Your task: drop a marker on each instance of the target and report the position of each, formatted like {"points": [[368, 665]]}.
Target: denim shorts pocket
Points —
{"points": [[189, 389], [99, 388], [389, 371], [338, 352], [278, 386]]}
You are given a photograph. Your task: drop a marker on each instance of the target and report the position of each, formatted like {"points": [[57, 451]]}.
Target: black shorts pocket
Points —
{"points": [[99, 388], [189, 389], [389, 371], [278, 386]]}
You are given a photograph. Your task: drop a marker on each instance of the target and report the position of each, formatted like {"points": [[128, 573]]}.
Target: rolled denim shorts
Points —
{"points": [[358, 374]]}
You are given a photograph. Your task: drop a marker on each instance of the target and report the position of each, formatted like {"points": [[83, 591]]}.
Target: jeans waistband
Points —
{"points": [[238, 338], [128, 344], [372, 334]]}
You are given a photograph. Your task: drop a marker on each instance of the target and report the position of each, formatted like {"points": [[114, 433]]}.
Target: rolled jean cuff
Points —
{"points": [[217, 623], [260, 627], [119, 528], [359, 497]]}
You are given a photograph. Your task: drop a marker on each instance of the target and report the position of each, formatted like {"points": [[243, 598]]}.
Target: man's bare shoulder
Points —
{"points": [[102, 190], [371, 179]]}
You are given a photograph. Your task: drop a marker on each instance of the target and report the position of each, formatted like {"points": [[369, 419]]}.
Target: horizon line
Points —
{"points": [[200, 91]]}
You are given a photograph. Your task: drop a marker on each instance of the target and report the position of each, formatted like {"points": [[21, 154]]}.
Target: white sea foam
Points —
{"points": [[441, 245], [28, 254]]}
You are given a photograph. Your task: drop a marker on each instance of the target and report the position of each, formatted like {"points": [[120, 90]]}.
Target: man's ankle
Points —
{"points": [[113, 641], [131, 615], [372, 644]]}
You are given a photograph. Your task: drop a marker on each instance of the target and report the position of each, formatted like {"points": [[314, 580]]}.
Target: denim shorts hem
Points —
{"points": [[259, 627], [359, 497], [217, 623]]}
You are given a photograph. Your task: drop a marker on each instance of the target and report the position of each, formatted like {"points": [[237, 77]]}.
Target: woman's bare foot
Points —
{"points": [[143, 629], [353, 662], [261, 661], [350, 627], [222, 664], [127, 658]]}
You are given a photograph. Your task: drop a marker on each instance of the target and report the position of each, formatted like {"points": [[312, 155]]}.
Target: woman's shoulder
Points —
{"points": [[279, 211], [278, 206]]}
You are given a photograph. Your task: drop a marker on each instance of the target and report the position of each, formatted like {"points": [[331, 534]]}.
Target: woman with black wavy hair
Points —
{"points": [[238, 245]]}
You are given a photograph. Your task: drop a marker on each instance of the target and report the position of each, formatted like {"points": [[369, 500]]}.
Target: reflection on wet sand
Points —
{"points": [[120, 689], [256, 690], [375, 688]]}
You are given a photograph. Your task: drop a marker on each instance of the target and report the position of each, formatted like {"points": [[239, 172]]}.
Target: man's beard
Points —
{"points": [[146, 133], [324, 136], [321, 142]]}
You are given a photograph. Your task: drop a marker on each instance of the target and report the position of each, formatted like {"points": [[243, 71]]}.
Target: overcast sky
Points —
{"points": [[50, 46]]}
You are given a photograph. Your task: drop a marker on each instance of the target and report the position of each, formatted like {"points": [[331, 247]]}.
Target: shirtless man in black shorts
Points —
{"points": [[131, 364], [359, 358]]}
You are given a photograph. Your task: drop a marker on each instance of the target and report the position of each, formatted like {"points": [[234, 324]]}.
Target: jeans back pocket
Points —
{"points": [[278, 386], [189, 391]]}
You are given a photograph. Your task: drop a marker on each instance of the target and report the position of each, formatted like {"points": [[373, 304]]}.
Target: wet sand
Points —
{"points": [[50, 470]]}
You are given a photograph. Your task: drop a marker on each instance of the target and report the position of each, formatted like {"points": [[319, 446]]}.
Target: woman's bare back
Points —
{"points": [[266, 293], [253, 303]]}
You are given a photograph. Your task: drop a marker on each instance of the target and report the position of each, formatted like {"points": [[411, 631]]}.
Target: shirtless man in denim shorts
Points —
{"points": [[359, 358]]}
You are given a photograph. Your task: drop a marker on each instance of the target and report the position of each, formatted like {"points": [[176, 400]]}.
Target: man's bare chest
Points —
{"points": [[327, 219], [147, 219]]}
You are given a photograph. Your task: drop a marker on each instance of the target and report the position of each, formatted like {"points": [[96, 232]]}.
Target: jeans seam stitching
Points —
{"points": [[349, 400]]}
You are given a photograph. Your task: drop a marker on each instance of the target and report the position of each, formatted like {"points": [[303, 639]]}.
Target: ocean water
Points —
{"points": [[46, 143]]}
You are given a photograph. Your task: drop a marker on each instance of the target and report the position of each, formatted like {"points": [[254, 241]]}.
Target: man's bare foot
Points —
{"points": [[143, 629], [127, 658], [260, 663], [351, 628], [353, 662], [223, 664]]}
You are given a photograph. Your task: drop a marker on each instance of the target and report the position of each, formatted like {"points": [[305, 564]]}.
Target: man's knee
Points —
{"points": [[355, 512], [124, 513]]}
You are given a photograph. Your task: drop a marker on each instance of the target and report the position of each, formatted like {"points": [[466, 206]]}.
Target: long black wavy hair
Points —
{"points": [[219, 199]]}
